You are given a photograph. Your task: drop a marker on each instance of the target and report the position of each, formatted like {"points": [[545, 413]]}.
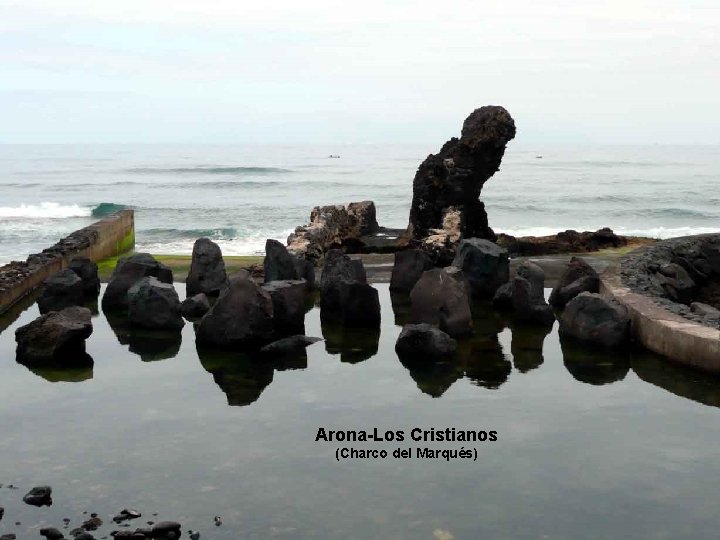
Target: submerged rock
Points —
{"points": [[578, 277], [207, 269], [289, 345], [592, 318], [154, 305], [195, 307], [409, 266], [166, 528], [61, 290], [56, 336], [241, 317], [130, 270], [51, 533], [454, 177], [441, 300], [424, 341], [485, 265], [39, 496], [87, 271]]}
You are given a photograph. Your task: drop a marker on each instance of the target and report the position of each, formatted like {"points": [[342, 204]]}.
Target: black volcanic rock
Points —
{"points": [[130, 270], [39, 496], [455, 176], [61, 290], [58, 336], [207, 269]]}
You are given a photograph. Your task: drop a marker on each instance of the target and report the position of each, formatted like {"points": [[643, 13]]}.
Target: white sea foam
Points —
{"points": [[248, 245], [44, 210]]}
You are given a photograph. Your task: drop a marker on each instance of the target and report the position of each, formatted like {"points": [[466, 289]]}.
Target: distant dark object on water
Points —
{"points": [[538, 157], [333, 156]]}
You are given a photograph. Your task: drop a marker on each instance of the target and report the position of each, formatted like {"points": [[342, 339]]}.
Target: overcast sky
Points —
{"points": [[290, 71]]}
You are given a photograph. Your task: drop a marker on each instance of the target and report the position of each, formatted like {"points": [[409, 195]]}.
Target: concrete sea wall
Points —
{"points": [[105, 238]]}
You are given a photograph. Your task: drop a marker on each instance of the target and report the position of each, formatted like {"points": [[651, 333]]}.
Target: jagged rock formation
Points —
{"points": [[332, 226], [207, 269], [56, 336], [446, 188]]}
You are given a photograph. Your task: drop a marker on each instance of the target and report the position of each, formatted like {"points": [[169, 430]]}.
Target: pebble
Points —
{"points": [[51, 533]]}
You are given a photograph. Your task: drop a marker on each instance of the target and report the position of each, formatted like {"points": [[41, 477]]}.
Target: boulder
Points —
{"points": [[409, 266], [424, 341], [524, 295], [331, 227], [207, 270], [39, 496], [288, 300], [350, 303], [363, 219], [130, 270], [676, 282], [485, 265], [440, 300], [590, 317], [526, 305], [51, 533], [705, 310], [241, 317], [305, 270], [455, 175], [61, 290], [278, 263], [154, 305], [578, 277], [87, 271], [56, 336], [339, 266], [165, 529], [195, 307], [289, 345]]}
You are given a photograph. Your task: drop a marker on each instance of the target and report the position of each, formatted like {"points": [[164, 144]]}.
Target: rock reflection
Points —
{"points": [[484, 361], [679, 380], [241, 377], [354, 345], [594, 366], [434, 378], [77, 368], [401, 308], [526, 345], [149, 345]]}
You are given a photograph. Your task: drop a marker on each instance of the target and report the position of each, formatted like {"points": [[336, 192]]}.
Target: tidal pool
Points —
{"points": [[590, 445]]}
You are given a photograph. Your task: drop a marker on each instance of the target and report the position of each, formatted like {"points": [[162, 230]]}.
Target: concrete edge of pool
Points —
{"points": [[661, 331]]}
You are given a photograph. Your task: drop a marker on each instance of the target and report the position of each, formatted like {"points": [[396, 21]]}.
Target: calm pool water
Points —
{"points": [[589, 446]]}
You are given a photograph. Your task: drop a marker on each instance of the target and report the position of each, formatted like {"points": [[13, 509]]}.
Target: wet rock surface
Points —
{"points": [[592, 318], [195, 307], [154, 305], [278, 263], [288, 300], [441, 300], [408, 268], [207, 269], [63, 289], [39, 496], [130, 270], [87, 271], [454, 177], [56, 337], [345, 295], [485, 265], [242, 316], [675, 273], [578, 277], [524, 296], [289, 345], [423, 342]]}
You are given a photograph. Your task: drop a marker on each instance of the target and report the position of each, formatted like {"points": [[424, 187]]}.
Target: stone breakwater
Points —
{"points": [[106, 238]]}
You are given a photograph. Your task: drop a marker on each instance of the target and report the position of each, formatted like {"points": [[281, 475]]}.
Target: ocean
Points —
{"points": [[240, 195]]}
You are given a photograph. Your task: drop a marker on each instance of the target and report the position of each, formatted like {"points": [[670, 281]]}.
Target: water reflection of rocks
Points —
{"points": [[149, 345]]}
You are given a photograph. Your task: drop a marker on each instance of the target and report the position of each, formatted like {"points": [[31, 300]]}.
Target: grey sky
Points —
{"points": [[220, 71]]}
